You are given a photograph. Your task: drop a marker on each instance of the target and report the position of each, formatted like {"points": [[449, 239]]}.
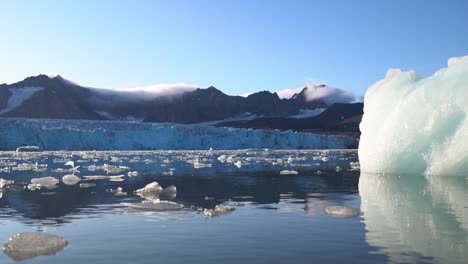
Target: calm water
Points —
{"points": [[277, 218]]}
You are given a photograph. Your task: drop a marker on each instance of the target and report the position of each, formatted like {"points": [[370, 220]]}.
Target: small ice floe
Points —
{"points": [[24, 246], [110, 169], [4, 182], [28, 149], [155, 206], [289, 172], [153, 187], [238, 164], [113, 178], [118, 191], [325, 158], [318, 172], [338, 169], [39, 169], [355, 165], [133, 173], [153, 191], [45, 182], [85, 185], [340, 211], [222, 158], [290, 160], [219, 210], [71, 179]]}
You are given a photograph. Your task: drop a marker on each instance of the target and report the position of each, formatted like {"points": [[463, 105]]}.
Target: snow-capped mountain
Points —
{"points": [[46, 96]]}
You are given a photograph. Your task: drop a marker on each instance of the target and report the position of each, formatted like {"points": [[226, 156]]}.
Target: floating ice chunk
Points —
{"points": [[133, 173], [28, 149], [71, 179], [116, 178], [288, 172], [238, 164], [222, 158], [219, 210], [4, 182], [29, 245], [86, 185], [155, 206], [340, 211], [153, 187], [355, 165], [46, 182], [325, 158], [338, 168], [425, 129], [118, 191]]}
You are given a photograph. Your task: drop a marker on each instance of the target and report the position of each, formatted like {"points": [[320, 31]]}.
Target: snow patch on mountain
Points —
{"points": [[18, 96], [50, 134], [305, 113]]}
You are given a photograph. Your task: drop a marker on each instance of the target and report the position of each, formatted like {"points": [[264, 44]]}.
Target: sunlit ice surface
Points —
{"points": [[417, 125]]}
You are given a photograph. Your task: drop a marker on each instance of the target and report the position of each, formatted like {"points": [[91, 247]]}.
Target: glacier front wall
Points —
{"points": [[101, 135], [417, 125]]}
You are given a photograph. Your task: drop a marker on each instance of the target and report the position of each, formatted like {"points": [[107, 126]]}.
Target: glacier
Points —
{"points": [[54, 134], [416, 125]]}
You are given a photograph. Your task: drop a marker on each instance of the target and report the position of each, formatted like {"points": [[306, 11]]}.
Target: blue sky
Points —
{"points": [[237, 46]]}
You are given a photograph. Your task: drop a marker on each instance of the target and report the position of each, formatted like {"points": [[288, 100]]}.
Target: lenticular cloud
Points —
{"points": [[417, 125]]}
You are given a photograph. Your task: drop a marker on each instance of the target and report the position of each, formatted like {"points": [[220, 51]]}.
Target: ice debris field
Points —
{"points": [[417, 125]]}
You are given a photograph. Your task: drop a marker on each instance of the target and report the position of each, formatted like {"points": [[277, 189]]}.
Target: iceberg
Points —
{"points": [[55, 134], [416, 125]]}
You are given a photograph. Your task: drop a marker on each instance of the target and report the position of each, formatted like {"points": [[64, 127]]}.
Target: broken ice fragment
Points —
{"points": [[220, 209], [155, 206], [289, 172], [71, 179], [29, 245], [46, 182]]}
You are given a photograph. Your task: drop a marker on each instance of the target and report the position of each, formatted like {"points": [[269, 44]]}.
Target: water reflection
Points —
{"points": [[309, 193], [415, 219]]}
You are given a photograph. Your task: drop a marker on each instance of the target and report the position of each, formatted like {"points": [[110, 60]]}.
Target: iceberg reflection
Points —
{"points": [[415, 218]]}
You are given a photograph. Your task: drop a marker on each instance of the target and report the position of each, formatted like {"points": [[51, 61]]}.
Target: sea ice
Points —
{"points": [[417, 125], [29, 245], [155, 206], [220, 209], [46, 182], [71, 179], [288, 172]]}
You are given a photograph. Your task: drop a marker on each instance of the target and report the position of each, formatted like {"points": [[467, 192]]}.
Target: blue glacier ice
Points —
{"points": [[51, 134]]}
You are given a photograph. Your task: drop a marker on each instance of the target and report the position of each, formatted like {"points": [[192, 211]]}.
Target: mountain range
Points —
{"points": [[57, 98]]}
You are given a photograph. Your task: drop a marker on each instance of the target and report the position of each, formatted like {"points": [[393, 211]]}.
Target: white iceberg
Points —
{"points": [[417, 125]]}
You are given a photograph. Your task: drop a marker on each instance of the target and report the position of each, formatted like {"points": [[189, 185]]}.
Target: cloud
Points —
{"points": [[328, 94], [164, 89], [288, 93], [152, 91]]}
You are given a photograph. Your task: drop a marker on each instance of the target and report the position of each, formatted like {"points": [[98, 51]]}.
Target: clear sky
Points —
{"points": [[237, 46]]}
